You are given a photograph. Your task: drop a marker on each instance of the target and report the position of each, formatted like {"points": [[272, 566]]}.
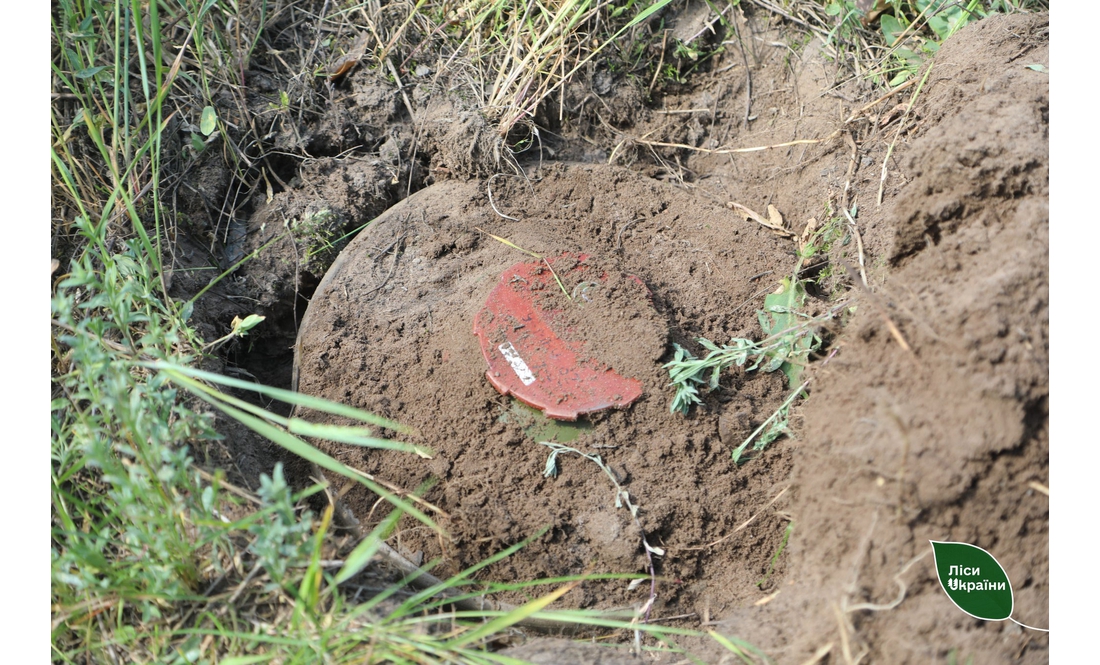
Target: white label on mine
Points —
{"points": [[518, 366]]}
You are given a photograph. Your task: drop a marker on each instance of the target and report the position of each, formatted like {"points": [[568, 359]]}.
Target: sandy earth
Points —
{"points": [[945, 440]]}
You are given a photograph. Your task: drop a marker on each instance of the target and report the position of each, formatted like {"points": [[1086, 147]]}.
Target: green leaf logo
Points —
{"points": [[973, 580]]}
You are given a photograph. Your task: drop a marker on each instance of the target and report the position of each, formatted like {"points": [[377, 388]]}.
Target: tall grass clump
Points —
{"points": [[141, 539], [509, 57], [131, 519], [535, 48]]}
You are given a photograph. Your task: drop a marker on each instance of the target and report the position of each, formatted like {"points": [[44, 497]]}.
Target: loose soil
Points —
{"points": [[927, 409]]}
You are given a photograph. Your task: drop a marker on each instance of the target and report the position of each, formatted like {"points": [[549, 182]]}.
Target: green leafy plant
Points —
{"points": [[209, 121], [828, 243], [283, 105], [124, 494], [238, 328], [791, 337], [946, 18], [910, 30], [781, 319], [914, 30], [281, 539], [848, 22]]}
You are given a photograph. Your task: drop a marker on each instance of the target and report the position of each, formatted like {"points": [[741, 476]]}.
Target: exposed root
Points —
{"points": [[902, 590]]}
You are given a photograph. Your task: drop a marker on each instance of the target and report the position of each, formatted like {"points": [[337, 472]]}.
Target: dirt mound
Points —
{"points": [[986, 142], [946, 442]]}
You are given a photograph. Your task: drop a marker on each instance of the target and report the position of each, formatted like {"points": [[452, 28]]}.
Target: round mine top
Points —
{"points": [[537, 332]]}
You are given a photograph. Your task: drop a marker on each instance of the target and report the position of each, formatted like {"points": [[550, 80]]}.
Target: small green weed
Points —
{"points": [[915, 32], [829, 243], [772, 427], [790, 338], [823, 240], [622, 497], [888, 41], [238, 328], [281, 538], [781, 319]]}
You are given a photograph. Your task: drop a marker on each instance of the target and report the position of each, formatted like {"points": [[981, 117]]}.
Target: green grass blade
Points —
{"points": [[413, 602], [287, 396], [356, 436], [246, 660], [359, 436], [233, 268], [736, 455], [309, 591], [596, 619], [512, 618], [294, 445], [738, 647]]}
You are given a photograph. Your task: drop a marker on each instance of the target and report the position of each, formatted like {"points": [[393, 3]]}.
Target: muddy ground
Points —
{"points": [[926, 416]]}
